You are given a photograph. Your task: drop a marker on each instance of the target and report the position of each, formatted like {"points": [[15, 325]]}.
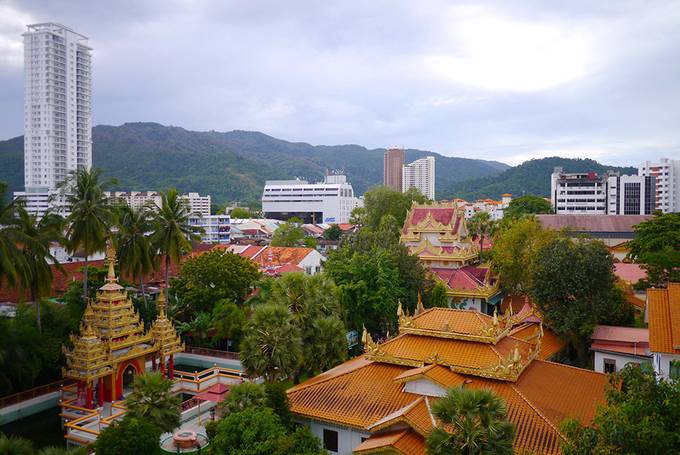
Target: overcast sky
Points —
{"points": [[505, 80]]}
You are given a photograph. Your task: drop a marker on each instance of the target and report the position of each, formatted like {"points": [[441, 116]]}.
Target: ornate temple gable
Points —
{"points": [[429, 252], [445, 219], [164, 332], [455, 324], [466, 342]]}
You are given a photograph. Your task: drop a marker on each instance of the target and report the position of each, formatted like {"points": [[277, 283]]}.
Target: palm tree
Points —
{"points": [[480, 226], [473, 421], [91, 215], [243, 396], [152, 400], [135, 255], [37, 275], [11, 260], [172, 233]]}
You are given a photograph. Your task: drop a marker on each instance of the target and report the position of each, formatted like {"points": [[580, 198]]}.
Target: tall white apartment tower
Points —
{"points": [[667, 177], [57, 109], [420, 175]]}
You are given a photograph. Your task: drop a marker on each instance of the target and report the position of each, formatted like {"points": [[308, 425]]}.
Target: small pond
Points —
{"points": [[43, 428]]}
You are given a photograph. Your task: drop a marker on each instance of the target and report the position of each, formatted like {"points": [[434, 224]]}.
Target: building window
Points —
{"points": [[330, 440], [609, 366], [674, 369]]}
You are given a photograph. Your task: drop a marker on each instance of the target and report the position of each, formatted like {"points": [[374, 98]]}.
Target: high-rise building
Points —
{"points": [[57, 109], [393, 168], [420, 175], [630, 195], [582, 192], [198, 205], [667, 183]]}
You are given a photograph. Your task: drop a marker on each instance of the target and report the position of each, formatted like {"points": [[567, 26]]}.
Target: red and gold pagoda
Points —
{"points": [[113, 346]]}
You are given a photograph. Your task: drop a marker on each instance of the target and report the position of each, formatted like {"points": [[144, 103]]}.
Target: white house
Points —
{"points": [[616, 347]]}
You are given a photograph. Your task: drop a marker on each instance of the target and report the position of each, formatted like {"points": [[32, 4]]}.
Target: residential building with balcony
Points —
{"points": [[667, 183]]}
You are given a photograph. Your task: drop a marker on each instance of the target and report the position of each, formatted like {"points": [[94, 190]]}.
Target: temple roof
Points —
{"points": [[452, 348], [663, 306]]}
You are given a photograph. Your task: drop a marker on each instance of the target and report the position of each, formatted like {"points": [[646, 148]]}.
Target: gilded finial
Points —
{"points": [[515, 355], [111, 259], [160, 302], [495, 317], [419, 308], [400, 310]]}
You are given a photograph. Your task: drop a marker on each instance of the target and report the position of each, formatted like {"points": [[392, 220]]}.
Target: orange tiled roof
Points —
{"points": [[416, 415], [404, 442], [664, 319], [461, 321], [551, 344], [437, 373]]}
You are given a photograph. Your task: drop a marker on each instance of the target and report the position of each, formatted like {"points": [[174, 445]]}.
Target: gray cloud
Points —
{"points": [[504, 80]]}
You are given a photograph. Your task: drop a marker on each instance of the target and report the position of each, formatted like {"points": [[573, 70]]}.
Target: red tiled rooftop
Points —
{"points": [[629, 272], [593, 223]]}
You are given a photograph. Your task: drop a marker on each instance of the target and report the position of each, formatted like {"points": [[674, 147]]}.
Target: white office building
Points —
{"points": [[199, 205], [667, 183], [330, 201], [582, 192], [420, 175], [216, 228], [57, 110]]}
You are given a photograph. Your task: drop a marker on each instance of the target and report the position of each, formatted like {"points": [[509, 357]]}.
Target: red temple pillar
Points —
{"points": [[113, 386], [171, 373], [88, 402], [100, 392]]}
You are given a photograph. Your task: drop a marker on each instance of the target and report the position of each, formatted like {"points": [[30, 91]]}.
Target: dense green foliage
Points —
{"points": [[515, 247], [332, 233], [211, 277], [131, 436], [87, 226], [374, 271], [642, 415], [302, 314], [288, 234], [22, 446], [153, 401], [477, 424], [657, 246], [240, 213], [149, 156], [135, 253], [530, 177], [573, 284], [526, 205]]}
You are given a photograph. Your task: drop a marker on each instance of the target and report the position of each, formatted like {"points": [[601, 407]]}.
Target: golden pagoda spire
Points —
{"points": [[419, 307], [400, 310], [161, 302], [111, 259]]}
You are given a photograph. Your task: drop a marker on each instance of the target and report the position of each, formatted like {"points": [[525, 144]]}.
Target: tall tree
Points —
{"points": [[476, 423], [642, 415], [381, 201], [439, 297], [288, 234], [91, 215], [515, 246], [12, 263], [130, 436], [153, 401], [172, 232], [527, 205], [244, 396], [37, 275], [136, 255], [481, 225], [657, 246], [572, 284], [271, 345]]}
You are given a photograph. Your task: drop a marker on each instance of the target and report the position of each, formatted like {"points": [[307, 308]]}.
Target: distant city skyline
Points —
{"points": [[504, 81]]}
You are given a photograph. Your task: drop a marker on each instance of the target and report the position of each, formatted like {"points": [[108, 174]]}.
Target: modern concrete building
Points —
{"points": [[216, 228], [667, 183], [630, 195], [393, 168], [420, 175], [57, 110], [199, 205], [330, 201], [135, 199], [583, 192]]}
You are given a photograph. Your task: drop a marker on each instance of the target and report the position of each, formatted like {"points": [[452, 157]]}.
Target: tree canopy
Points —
{"points": [[573, 285], [642, 415], [381, 201], [240, 213], [657, 246], [288, 234], [476, 422], [131, 436], [526, 205], [153, 401]]}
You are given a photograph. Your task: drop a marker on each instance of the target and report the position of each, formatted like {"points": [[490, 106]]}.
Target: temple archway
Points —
{"points": [[129, 377]]}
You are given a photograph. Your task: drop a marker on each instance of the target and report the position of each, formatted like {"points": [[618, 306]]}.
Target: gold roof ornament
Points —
{"points": [[419, 307], [495, 317], [163, 331], [400, 310]]}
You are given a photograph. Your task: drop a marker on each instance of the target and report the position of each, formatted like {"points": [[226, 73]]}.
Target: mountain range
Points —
{"points": [[233, 166]]}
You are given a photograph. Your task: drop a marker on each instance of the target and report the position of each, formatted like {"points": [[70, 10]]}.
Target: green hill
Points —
{"points": [[530, 177], [232, 165]]}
